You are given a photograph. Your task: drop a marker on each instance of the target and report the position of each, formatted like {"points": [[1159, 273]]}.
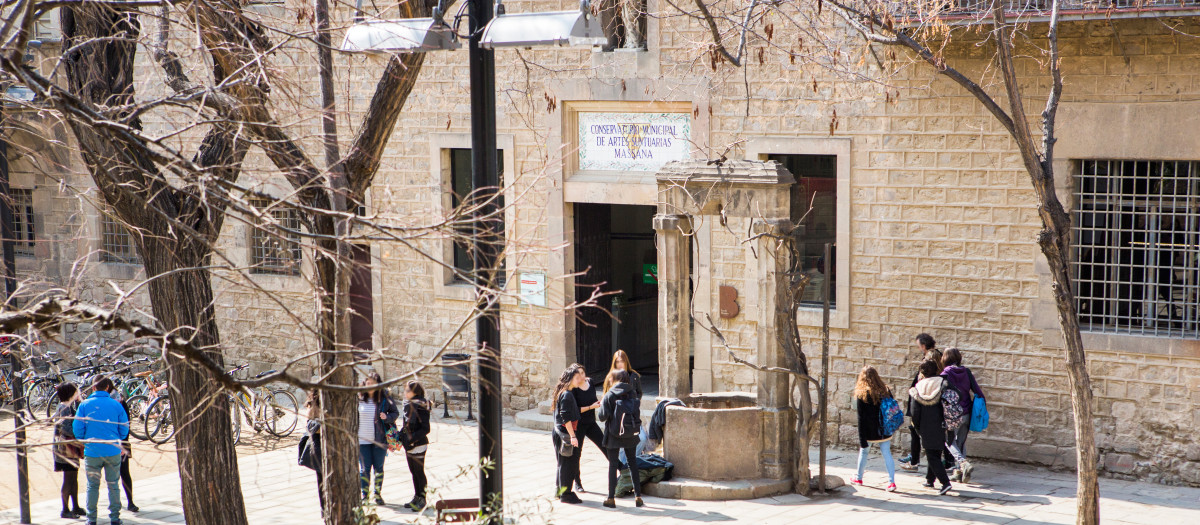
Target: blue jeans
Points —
{"points": [[111, 465], [370, 457], [886, 448]]}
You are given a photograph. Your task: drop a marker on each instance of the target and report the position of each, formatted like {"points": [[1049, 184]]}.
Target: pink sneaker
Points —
{"points": [[891, 487], [856, 481]]}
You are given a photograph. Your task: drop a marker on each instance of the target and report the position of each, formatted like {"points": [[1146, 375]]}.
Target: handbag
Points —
{"points": [[70, 450], [395, 439], [304, 454], [566, 449]]}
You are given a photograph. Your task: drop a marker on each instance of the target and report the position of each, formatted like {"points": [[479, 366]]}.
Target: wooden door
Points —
{"points": [[593, 325]]}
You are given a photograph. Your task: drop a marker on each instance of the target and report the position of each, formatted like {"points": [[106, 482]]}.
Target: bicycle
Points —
{"points": [[273, 410]]}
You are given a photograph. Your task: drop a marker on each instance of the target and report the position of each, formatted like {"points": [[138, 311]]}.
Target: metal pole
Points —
{"points": [[824, 366], [486, 247], [10, 285]]}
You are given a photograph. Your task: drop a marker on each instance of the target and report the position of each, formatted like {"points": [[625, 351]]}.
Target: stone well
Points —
{"points": [[716, 437]]}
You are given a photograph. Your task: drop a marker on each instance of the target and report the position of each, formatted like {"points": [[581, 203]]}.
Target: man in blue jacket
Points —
{"points": [[101, 424]]}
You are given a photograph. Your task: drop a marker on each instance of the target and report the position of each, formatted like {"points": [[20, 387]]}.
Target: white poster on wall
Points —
{"points": [[633, 141], [533, 288]]}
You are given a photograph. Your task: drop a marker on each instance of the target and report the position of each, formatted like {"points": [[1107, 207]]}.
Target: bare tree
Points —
{"points": [[916, 27]]}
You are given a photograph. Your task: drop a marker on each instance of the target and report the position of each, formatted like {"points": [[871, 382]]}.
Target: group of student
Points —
{"points": [[94, 434], [938, 429], [576, 408], [382, 425]]}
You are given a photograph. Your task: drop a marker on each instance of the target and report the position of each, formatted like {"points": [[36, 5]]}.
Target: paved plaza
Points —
{"points": [[278, 491]]}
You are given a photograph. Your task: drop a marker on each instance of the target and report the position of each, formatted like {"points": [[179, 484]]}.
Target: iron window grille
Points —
{"points": [[1136, 244], [275, 248], [816, 186], [116, 241], [22, 210]]}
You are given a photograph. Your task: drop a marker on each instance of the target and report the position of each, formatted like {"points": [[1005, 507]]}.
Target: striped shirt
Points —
{"points": [[366, 422]]}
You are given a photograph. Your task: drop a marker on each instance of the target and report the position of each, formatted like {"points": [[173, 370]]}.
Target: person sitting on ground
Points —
{"points": [[67, 452], [869, 393], [928, 348], [929, 417], [621, 411], [956, 438], [415, 437], [101, 424], [565, 438]]}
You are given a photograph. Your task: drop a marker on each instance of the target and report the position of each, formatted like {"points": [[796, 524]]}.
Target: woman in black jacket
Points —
{"points": [[376, 414], [566, 420], [869, 393], [928, 416], [928, 348], [586, 400], [415, 435], [620, 410], [67, 452], [310, 456]]}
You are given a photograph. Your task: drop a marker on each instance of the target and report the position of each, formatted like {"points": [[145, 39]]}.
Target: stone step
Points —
{"points": [[694, 489]]}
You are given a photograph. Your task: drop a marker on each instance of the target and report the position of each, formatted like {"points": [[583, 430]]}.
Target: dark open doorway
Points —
{"points": [[614, 250]]}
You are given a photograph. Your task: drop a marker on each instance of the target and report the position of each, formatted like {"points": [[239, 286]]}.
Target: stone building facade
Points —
{"points": [[921, 190]]}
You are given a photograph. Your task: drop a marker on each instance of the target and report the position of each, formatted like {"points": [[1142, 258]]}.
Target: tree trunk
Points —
{"points": [[803, 480], [173, 234]]}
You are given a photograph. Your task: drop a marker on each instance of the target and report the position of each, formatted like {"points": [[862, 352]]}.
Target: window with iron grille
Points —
{"points": [[815, 187], [22, 210], [275, 248], [1137, 245], [116, 242]]}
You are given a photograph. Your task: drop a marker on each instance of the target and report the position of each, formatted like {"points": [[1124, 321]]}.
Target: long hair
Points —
{"points": [[619, 355], [564, 381], [314, 405], [870, 387], [935, 355], [951, 357], [375, 396]]}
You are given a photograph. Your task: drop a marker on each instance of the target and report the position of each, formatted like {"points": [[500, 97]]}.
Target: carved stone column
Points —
{"points": [[773, 387], [674, 324]]}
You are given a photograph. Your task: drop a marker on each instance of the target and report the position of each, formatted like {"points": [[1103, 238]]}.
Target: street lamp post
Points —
{"points": [[485, 180], [489, 27]]}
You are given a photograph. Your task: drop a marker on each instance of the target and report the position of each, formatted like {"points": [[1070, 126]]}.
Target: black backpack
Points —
{"points": [[626, 422]]}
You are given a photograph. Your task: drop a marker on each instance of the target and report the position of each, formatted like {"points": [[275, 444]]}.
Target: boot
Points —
{"points": [[379, 488]]}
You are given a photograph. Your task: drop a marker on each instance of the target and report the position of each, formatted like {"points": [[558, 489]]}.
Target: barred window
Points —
{"points": [[116, 242], [461, 187], [1137, 245], [22, 210], [275, 249]]}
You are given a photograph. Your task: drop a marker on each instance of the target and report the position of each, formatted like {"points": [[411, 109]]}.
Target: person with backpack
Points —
{"points": [[566, 442], [376, 415], [621, 412], [928, 348], [415, 437], [101, 424], [874, 426], [964, 384], [927, 409]]}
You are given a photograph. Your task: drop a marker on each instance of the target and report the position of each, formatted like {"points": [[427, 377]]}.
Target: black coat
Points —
{"points": [[607, 414], [387, 407], [565, 411], [416, 423], [310, 447], [925, 408], [870, 422]]}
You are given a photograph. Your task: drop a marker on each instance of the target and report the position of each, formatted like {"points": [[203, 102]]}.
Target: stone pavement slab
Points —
{"points": [[277, 491]]}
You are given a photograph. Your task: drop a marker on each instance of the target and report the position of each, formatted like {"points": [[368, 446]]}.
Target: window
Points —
{"points": [[1136, 238], [275, 248], [116, 242], [460, 188], [816, 186], [22, 210]]}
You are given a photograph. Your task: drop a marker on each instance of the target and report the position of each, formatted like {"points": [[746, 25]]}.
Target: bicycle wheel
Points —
{"points": [[159, 420], [137, 416], [41, 396], [235, 420], [282, 413]]}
